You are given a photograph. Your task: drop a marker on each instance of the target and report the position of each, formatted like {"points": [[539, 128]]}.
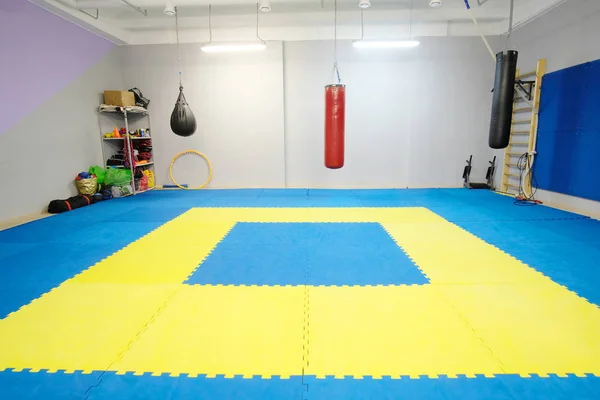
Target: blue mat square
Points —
{"points": [[25, 385], [502, 387], [307, 253], [130, 386]]}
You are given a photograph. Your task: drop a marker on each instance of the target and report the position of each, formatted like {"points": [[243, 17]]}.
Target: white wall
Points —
{"points": [[565, 36], [237, 99], [42, 154], [412, 116]]}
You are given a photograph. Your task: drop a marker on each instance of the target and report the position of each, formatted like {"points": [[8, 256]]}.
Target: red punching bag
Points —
{"points": [[335, 113]]}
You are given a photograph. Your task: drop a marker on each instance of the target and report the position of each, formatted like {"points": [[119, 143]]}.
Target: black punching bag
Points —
{"points": [[183, 122], [504, 95]]}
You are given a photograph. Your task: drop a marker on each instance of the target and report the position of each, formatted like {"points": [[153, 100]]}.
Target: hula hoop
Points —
{"points": [[191, 152]]}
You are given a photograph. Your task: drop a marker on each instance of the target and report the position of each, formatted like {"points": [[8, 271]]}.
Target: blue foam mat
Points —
{"points": [[38, 256], [61, 386], [253, 265], [164, 387], [502, 387], [41, 385], [307, 253]]}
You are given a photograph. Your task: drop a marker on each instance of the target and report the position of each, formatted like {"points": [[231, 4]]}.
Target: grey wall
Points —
{"points": [[41, 154], [413, 116], [237, 99], [566, 36]]}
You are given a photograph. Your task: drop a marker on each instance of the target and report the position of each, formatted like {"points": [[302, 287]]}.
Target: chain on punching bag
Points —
{"points": [[183, 121], [504, 91], [335, 111], [504, 85]]}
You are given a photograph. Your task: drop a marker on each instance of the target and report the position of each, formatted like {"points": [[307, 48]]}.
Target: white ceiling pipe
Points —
{"points": [[88, 4]]}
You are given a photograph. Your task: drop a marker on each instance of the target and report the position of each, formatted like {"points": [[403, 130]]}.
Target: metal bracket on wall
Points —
{"points": [[522, 86], [87, 13], [136, 8]]}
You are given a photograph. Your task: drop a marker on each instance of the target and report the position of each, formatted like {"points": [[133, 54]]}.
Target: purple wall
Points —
{"points": [[40, 53]]}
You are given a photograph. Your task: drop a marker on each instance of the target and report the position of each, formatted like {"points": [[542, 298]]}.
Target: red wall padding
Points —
{"points": [[335, 113]]}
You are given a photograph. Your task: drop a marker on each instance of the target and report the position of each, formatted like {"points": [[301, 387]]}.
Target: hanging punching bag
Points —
{"points": [[335, 112], [504, 95], [183, 122]]}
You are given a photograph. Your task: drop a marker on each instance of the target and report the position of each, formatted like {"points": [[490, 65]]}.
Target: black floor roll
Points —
{"points": [[504, 94], [60, 206], [183, 122]]}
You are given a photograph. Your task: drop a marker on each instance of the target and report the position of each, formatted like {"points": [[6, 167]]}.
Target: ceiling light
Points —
{"points": [[385, 44], [225, 47], [264, 5], [169, 9], [435, 3], [364, 3]]}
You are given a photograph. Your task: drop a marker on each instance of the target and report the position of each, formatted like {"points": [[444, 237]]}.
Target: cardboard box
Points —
{"points": [[119, 98]]}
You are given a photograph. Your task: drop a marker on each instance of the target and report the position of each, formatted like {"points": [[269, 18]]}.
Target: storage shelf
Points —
{"points": [[118, 109], [109, 151], [133, 138], [137, 166]]}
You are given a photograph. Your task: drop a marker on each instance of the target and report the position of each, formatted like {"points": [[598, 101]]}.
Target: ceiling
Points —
{"points": [[290, 19]]}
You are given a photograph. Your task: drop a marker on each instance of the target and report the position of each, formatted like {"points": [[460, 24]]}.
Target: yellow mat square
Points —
{"points": [[393, 331], [78, 326], [320, 214], [448, 254], [167, 255], [532, 329], [229, 330]]}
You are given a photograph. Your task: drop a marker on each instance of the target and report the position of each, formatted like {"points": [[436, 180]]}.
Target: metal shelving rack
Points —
{"points": [[134, 118]]}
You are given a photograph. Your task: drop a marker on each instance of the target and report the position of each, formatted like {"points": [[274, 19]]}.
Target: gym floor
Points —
{"points": [[302, 294]]}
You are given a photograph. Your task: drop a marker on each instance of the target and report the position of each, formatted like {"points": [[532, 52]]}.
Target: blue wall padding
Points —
{"points": [[568, 143]]}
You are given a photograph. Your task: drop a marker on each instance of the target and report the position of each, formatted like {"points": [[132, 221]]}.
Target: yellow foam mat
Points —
{"points": [[404, 214], [483, 313], [229, 330], [380, 331], [532, 329], [167, 255], [448, 254], [78, 326]]}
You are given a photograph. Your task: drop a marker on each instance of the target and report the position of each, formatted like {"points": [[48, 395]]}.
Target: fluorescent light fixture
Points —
{"points": [[225, 47], [385, 44]]}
